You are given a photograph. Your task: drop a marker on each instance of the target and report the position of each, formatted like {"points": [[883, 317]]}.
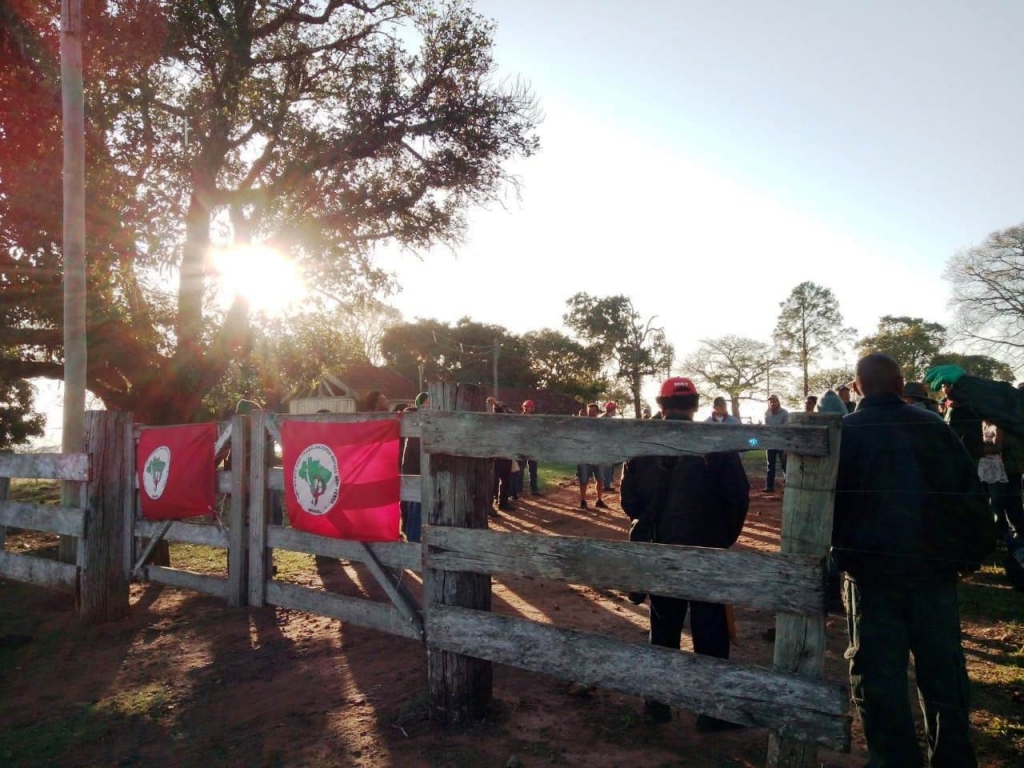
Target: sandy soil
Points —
{"points": [[187, 680]]}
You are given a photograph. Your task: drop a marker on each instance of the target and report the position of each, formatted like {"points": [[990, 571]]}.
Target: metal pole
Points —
{"points": [[73, 108], [497, 351]]}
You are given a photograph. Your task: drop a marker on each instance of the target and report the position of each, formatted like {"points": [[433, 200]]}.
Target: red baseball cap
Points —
{"points": [[610, 404], [677, 386], [528, 403]]}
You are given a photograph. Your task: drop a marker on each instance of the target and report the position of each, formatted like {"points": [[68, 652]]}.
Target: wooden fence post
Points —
{"points": [[103, 579], [258, 509], [237, 535], [456, 493], [806, 530]]}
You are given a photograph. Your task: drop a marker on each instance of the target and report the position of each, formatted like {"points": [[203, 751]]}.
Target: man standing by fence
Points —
{"points": [[698, 501], [775, 416], [909, 516]]}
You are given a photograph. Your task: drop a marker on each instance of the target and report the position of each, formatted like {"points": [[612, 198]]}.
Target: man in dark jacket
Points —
{"points": [[690, 500], [909, 516]]}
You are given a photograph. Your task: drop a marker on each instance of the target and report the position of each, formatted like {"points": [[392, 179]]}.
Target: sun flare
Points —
{"points": [[262, 275]]}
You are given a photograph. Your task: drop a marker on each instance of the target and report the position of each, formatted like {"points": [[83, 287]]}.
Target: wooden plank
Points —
{"points": [[258, 554], [807, 507], [190, 533], [410, 484], [67, 521], [197, 582], [45, 466], [459, 684], [104, 581], [398, 596], [223, 437], [763, 580], [36, 570], [392, 554], [410, 425], [129, 498], [238, 563], [272, 428], [809, 710], [603, 441], [364, 613], [157, 537], [5, 487]]}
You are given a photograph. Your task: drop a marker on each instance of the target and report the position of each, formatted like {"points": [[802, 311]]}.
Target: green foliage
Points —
{"points": [[564, 365], [830, 378], [910, 341], [321, 131], [633, 348], [809, 324], [317, 476], [18, 422], [982, 366], [461, 352]]}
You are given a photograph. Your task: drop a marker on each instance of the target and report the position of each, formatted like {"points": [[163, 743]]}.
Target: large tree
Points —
{"points": [[910, 341], [983, 366], [634, 347], [809, 324], [464, 352], [734, 365], [321, 126], [564, 365], [988, 294]]}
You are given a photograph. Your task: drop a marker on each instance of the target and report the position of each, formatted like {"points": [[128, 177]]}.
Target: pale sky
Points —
{"points": [[705, 158]]}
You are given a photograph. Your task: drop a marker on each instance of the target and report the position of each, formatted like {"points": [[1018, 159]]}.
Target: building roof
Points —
{"points": [[356, 381]]}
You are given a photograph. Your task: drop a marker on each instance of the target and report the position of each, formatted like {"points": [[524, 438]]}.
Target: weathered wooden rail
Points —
{"points": [[459, 556], [97, 578]]}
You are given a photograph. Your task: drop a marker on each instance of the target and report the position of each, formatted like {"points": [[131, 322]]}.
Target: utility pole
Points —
{"points": [[497, 351], [73, 112]]}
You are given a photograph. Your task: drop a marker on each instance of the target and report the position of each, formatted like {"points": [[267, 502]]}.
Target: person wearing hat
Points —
{"points": [[687, 500], [844, 394], [611, 410], [720, 413], [585, 471], [915, 394]]}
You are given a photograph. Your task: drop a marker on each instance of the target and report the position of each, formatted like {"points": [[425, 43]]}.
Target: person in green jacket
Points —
{"points": [[1003, 405]]}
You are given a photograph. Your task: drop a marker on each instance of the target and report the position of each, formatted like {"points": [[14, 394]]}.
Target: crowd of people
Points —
{"points": [[924, 487]]}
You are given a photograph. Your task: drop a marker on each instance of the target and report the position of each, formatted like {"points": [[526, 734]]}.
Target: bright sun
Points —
{"points": [[262, 275]]}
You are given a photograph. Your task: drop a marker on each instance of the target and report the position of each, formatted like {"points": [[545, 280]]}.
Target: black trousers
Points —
{"points": [[707, 624]]}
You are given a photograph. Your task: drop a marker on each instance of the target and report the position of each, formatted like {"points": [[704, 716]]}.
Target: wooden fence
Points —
{"points": [[459, 555]]}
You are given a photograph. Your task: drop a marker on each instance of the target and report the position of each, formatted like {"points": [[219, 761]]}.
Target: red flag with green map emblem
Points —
{"points": [[176, 471], [341, 479]]}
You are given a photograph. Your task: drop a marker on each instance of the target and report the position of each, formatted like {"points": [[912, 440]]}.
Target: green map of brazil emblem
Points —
{"points": [[315, 479], [156, 471]]}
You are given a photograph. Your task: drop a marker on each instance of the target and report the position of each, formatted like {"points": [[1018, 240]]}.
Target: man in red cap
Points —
{"points": [[689, 500]]}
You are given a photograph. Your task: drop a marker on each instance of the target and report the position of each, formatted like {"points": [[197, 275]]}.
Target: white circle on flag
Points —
{"points": [[315, 479], [155, 472]]}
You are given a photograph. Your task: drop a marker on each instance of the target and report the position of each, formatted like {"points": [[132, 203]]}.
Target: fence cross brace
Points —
{"points": [[400, 596], [148, 551]]}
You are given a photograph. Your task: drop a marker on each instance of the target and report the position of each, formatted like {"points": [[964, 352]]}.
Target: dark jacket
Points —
{"points": [[693, 500], [995, 401], [966, 424], [909, 507]]}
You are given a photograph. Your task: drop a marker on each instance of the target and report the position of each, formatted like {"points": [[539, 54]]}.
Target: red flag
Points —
{"points": [[175, 470], [341, 480]]}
